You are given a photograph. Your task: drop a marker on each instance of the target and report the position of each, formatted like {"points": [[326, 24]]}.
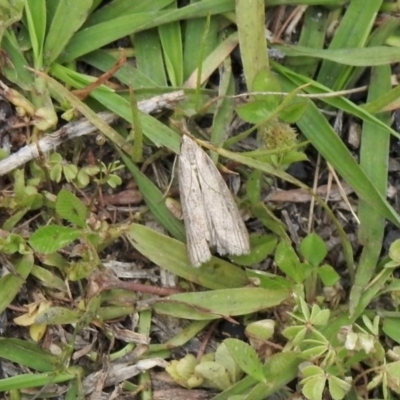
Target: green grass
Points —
{"points": [[58, 227]]}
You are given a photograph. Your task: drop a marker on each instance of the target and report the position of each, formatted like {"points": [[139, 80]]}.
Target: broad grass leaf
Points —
{"points": [[116, 9], [294, 80], [219, 303], [159, 133], [11, 284], [128, 74], [61, 28], [51, 238], [155, 201], [15, 70], [171, 41], [171, 255], [246, 357], [28, 354], [100, 34], [253, 186], [36, 380], [268, 281], [58, 316], [359, 57], [69, 207], [35, 12]]}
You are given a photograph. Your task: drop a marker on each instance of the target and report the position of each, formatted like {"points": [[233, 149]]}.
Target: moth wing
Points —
{"points": [[194, 214], [227, 229]]}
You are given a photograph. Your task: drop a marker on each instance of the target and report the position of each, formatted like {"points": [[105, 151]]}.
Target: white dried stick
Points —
{"points": [[79, 128]]}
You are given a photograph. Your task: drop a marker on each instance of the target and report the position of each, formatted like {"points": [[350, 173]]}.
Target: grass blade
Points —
{"points": [[61, 28], [251, 32], [35, 380], [317, 129], [35, 11], [94, 37], [312, 36], [364, 57], [11, 284], [171, 255], [27, 354], [374, 147], [217, 303], [349, 35], [155, 201], [128, 74], [149, 58], [171, 41]]}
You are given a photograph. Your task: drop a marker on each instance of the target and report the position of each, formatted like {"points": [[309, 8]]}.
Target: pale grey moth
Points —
{"points": [[211, 216]]}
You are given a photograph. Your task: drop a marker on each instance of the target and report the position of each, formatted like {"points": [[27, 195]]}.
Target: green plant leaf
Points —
{"points": [[313, 249], [246, 357], [314, 387], [286, 259], [171, 41], [319, 317], [253, 186], [98, 35], [216, 374], [338, 388], [35, 11], [224, 357], [51, 238], [48, 278], [217, 303], [16, 70], [172, 255], [267, 81], [391, 327], [69, 207], [359, 57], [155, 201], [269, 281], [35, 380], [61, 28], [293, 111], [328, 275], [28, 354], [58, 316], [261, 246], [11, 284], [279, 370], [394, 251], [254, 112]]}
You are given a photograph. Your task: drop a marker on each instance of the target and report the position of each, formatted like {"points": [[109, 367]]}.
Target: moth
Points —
{"points": [[210, 214]]}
